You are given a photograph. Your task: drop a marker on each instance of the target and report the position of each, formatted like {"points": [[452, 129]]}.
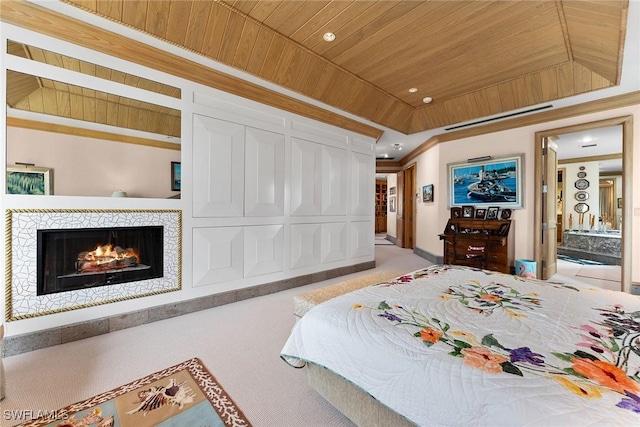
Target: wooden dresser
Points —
{"points": [[482, 243]]}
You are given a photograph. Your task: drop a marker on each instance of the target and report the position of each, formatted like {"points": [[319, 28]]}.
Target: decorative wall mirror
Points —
{"points": [[581, 196], [95, 143], [581, 207]]}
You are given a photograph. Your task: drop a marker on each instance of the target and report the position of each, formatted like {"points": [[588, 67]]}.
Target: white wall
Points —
{"points": [[511, 142], [305, 201], [93, 167], [570, 177]]}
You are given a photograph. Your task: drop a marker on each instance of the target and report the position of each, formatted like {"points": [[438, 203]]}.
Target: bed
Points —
{"points": [[454, 345]]}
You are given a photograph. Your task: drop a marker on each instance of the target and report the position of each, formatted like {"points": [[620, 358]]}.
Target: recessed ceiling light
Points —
{"points": [[329, 37], [427, 99], [413, 90], [386, 155]]}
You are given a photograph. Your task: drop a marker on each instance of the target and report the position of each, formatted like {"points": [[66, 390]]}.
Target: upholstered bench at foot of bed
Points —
{"points": [[306, 301]]}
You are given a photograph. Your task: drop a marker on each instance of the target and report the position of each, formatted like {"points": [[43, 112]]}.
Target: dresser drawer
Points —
{"points": [[503, 268], [497, 257]]}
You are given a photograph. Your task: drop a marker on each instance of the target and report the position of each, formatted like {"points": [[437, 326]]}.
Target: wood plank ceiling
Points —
{"points": [[473, 58], [39, 95]]}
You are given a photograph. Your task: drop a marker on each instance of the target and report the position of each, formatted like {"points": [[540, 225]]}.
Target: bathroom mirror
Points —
{"points": [[94, 143]]}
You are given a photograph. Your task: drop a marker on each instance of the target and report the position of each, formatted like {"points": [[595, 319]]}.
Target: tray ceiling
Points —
{"points": [[473, 58]]}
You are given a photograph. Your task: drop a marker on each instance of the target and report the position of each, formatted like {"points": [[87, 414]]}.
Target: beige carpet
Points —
{"points": [[602, 272], [239, 342]]}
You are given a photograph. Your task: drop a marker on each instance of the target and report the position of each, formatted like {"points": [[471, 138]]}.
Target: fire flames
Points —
{"points": [[106, 257]]}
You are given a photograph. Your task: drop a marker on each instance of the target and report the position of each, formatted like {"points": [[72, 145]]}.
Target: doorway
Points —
{"points": [[406, 206], [579, 217]]}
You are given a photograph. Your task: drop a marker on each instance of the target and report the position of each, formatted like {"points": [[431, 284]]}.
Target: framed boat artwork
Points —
{"points": [[488, 182]]}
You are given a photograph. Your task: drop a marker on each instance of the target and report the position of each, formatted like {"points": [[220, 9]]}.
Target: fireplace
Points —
{"points": [[72, 259]]}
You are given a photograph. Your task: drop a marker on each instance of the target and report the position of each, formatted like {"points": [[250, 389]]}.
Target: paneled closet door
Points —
{"points": [[334, 181], [362, 184], [306, 177], [264, 173], [218, 168]]}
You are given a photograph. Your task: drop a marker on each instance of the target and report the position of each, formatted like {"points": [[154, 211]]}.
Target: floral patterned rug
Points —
{"points": [[182, 395]]}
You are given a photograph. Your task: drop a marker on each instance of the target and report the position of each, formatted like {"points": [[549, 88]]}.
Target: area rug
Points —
{"points": [[182, 395]]}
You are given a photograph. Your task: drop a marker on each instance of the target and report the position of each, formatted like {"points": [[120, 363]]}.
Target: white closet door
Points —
{"points": [[362, 184], [334, 181], [218, 168], [306, 177], [264, 173]]}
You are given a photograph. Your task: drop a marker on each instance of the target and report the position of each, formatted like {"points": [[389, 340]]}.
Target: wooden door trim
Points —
{"points": [[627, 170]]}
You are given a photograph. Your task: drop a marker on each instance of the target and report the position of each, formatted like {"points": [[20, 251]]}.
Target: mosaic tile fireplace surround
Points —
{"points": [[147, 273]]}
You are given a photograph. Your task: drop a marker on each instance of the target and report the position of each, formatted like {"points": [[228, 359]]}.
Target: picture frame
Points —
{"points": [[467, 211], [503, 230], [492, 212], [480, 213], [427, 193], [392, 191], [505, 214], [26, 179], [456, 212], [392, 204], [451, 228], [176, 176], [493, 182], [619, 202]]}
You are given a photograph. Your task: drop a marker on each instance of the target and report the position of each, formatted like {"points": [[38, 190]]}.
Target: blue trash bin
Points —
{"points": [[526, 268]]}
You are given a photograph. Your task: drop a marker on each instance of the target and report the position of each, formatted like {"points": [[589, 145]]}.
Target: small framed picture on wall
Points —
{"points": [[427, 193], [467, 212]]}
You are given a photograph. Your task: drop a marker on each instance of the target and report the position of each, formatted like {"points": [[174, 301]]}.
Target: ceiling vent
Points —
{"points": [[519, 113]]}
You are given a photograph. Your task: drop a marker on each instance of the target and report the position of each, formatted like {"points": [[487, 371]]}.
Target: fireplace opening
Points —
{"points": [[79, 258]]}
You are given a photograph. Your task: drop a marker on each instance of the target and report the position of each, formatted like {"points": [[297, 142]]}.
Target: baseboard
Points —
{"points": [[436, 259], [23, 343], [392, 239]]}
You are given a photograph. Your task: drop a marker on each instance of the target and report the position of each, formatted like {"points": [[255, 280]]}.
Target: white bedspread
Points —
{"points": [[453, 346]]}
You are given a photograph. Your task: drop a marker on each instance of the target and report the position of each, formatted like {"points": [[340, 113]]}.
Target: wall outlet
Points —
{"points": [[636, 211]]}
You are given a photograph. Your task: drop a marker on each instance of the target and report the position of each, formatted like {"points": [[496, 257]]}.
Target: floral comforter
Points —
{"points": [[452, 345]]}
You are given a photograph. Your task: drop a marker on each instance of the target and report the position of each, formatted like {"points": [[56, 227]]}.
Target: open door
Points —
{"points": [[549, 207], [400, 209], [409, 206]]}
